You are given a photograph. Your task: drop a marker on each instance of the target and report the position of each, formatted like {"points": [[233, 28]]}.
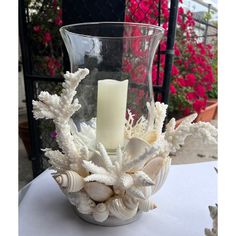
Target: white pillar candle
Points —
{"points": [[111, 109]]}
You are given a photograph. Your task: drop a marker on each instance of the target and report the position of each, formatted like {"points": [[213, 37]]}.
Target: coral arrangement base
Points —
{"points": [[110, 222]]}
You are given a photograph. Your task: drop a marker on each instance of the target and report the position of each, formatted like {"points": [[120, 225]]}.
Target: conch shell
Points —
{"points": [[118, 209], [100, 212], [157, 169], [70, 181], [97, 191]]}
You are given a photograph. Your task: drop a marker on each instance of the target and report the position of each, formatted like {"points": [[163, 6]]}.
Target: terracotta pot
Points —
{"points": [[25, 136], [206, 115]]}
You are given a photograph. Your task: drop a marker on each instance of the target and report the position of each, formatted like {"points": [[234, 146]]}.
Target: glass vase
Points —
{"points": [[119, 57]]}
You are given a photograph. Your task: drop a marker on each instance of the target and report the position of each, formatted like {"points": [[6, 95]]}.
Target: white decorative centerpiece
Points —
{"points": [[112, 188], [112, 152]]}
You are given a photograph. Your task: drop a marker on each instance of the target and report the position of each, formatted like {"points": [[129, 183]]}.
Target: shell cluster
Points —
{"points": [[118, 184]]}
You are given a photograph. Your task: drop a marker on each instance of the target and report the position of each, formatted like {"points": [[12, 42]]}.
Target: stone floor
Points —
{"points": [[193, 151]]}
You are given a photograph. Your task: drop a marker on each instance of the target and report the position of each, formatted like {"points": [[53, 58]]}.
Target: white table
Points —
{"points": [[182, 207]]}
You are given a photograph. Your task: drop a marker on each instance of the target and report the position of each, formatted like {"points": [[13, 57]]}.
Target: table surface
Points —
{"points": [[182, 207]]}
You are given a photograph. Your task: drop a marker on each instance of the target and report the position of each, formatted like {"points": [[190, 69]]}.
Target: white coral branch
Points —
{"points": [[91, 167], [60, 109], [57, 159], [104, 156], [105, 179], [174, 138]]}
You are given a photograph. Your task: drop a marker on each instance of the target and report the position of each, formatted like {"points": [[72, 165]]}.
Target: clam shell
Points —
{"points": [[70, 180], [118, 209], [97, 191], [100, 212], [157, 169], [136, 146]]}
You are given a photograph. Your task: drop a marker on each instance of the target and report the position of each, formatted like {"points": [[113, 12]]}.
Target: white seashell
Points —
{"points": [[70, 180], [135, 192], [157, 169], [97, 191], [100, 212], [162, 175], [136, 146], [85, 205], [142, 179], [73, 198], [146, 205], [118, 209], [130, 202]]}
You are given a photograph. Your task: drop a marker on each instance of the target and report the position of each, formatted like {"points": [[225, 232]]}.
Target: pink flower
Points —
{"points": [[172, 89], [58, 21], [191, 96], [175, 70], [200, 90], [37, 28], [190, 79], [47, 38], [198, 105]]}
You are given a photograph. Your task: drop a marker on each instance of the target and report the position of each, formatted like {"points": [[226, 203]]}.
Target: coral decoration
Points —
{"points": [[119, 184]]}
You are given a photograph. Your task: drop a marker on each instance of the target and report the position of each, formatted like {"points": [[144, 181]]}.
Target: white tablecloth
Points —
{"points": [[182, 207]]}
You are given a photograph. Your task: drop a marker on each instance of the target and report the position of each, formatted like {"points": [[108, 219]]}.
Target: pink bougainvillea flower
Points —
{"points": [[47, 37], [175, 71], [37, 28], [191, 96], [200, 90], [198, 105], [58, 21], [186, 111], [190, 79], [172, 89]]}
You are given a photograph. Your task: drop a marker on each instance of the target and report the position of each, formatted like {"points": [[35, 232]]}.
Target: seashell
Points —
{"points": [[100, 212], [118, 190], [136, 146], [73, 198], [146, 205], [157, 169], [162, 175], [135, 192], [142, 179], [70, 180], [130, 202], [97, 191], [118, 209], [85, 205]]}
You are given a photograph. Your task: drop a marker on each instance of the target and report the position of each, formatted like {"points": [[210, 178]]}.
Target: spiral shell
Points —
{"points": [[86, 205], [146, 205], [118, 209], [70, 181], [97, 191], [100, 212]]}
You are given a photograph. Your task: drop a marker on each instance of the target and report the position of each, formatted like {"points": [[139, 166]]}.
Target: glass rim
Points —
{"points": [[160, 29]]}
